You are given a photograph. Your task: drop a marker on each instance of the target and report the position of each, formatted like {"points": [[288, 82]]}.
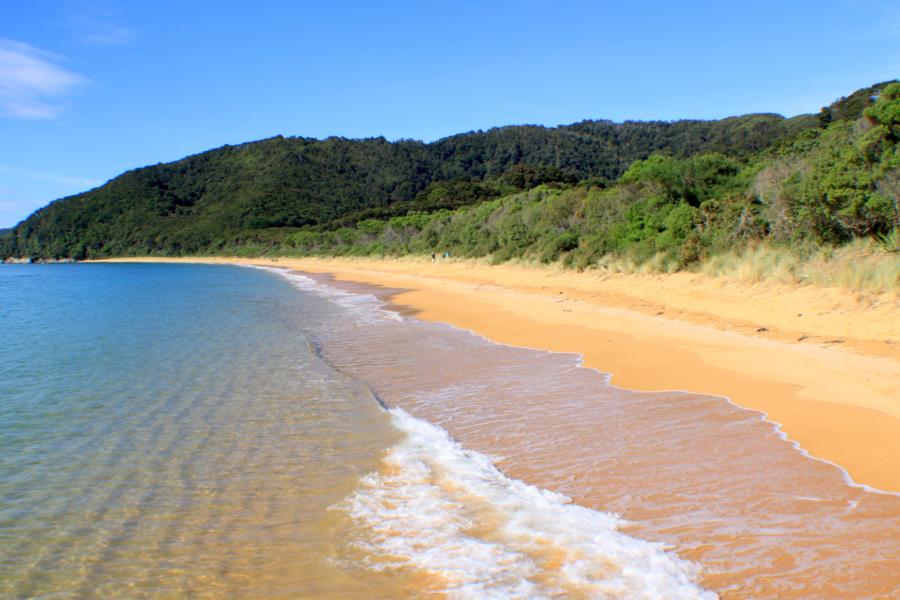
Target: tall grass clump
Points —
{"points": [[862, 265]]}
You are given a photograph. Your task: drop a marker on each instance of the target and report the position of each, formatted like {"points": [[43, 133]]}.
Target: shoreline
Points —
{"points": [[832, 387]]}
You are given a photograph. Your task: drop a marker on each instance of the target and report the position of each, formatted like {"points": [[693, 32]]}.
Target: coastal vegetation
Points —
{"points": [[706, 195]]}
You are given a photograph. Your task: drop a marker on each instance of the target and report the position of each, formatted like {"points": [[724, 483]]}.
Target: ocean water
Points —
{"points": [[168, 432], [172, 431]]}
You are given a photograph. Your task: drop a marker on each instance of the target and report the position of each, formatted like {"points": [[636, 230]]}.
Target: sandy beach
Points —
{"points": [[824, 363]]}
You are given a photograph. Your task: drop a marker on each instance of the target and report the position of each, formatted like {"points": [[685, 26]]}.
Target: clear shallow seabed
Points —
{"points": [[209, 431]]}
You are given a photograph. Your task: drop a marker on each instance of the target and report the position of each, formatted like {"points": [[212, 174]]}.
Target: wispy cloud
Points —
{"points": [[19, 205], [13, 211], [97, 26], [24, 190], [66, 180], [108, 34], [32, 83]]}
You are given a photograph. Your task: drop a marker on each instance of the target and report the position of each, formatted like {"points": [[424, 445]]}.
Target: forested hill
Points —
{"points": [[266, 189]]}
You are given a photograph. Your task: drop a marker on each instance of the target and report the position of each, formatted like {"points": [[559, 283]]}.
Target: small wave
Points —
{"points": [[449, 514], [364, 306]]}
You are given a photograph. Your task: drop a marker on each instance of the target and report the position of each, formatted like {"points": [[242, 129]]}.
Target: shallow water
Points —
{"points": [[199, 431], [169, 432]]}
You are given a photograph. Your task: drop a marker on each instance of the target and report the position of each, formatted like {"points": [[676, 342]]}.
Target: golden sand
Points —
{"points": [[822, 362]]}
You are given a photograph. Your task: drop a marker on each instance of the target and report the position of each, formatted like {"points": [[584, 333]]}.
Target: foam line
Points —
{"points": [[445, 511]]}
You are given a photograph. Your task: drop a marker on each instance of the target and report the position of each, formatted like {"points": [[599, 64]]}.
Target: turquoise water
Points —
{"points": [[169, 431]]}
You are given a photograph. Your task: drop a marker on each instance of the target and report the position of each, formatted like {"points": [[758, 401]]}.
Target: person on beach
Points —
{"points": [[433, 257]]}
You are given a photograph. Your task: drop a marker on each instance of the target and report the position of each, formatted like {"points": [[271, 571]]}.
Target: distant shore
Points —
{"points": [[822, 362]]}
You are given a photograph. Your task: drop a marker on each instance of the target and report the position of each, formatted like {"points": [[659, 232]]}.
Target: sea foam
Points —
{"points": [[365, 307], [447, 513]]}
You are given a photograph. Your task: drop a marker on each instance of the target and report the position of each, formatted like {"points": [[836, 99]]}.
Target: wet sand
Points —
{"points": [[711, 481], [823, 363]]}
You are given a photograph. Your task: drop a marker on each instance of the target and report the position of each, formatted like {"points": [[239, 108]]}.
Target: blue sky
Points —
{"points": [[89, 89]]}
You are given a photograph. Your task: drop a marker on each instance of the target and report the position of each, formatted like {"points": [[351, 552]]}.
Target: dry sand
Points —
{"points": [[822, 362]]}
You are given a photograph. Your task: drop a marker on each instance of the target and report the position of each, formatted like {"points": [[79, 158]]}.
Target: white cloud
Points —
{"points": [[32, 84], [20, 195], [94, 24], [20, 206], [65, 180], [16, 210], [107, 34], [97, 29]]}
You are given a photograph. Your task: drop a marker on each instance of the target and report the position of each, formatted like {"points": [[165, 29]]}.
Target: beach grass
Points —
{"points": [[864, 265]]}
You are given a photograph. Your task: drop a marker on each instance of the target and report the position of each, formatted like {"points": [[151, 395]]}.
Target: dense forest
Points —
{"points": [[673, 191]]}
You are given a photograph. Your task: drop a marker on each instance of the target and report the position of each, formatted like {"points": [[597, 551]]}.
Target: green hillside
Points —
{"points": [[261, 189], [675, 191], [825, 186]]}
